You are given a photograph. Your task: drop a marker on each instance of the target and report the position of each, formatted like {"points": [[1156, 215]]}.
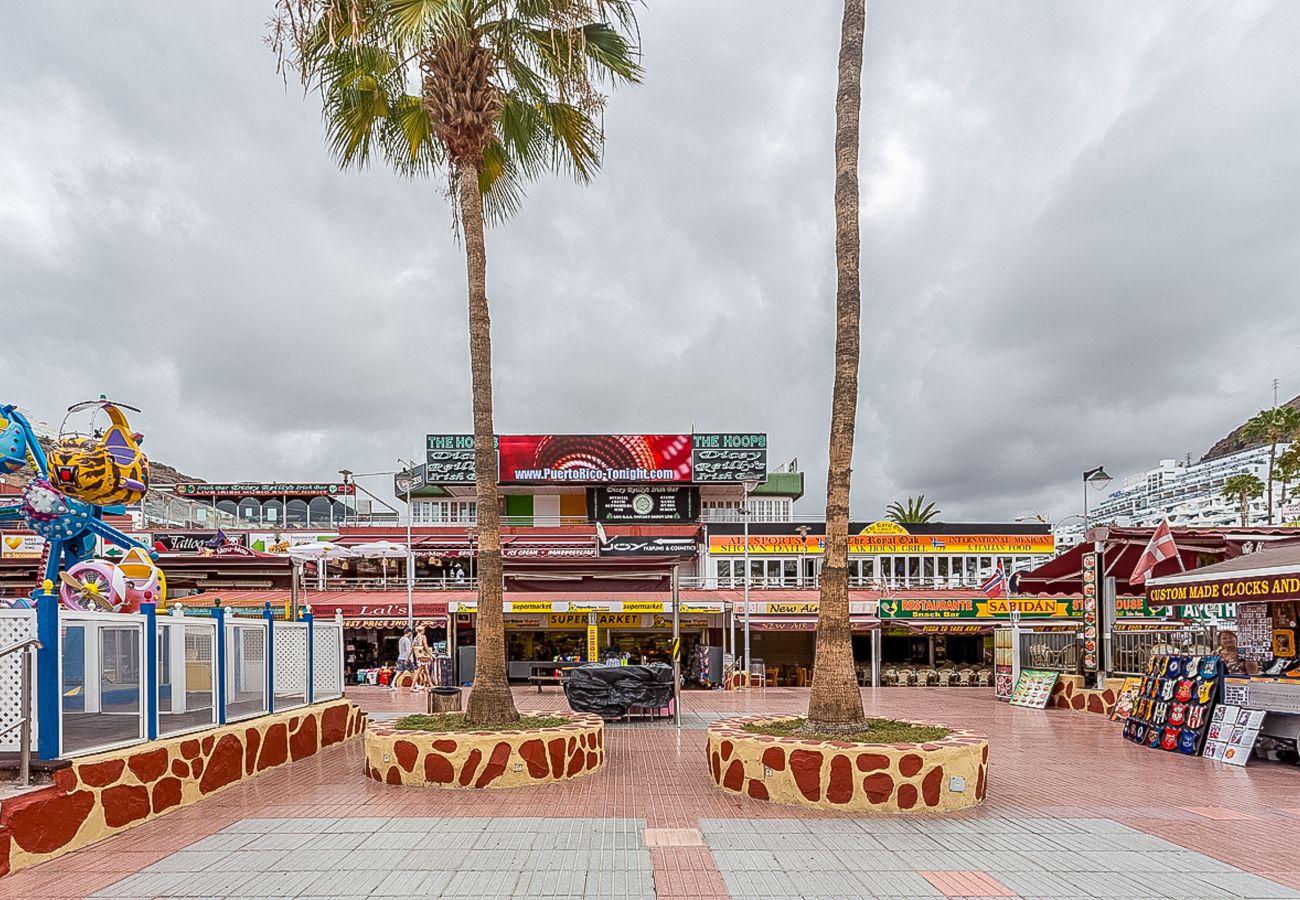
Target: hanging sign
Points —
{"points": [[1090, 611], [21, 546]]}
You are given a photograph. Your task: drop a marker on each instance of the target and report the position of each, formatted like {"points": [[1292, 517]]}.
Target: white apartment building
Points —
{"points": [[1189, 495]]}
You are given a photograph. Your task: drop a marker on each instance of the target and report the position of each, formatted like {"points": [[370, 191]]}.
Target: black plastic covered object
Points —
{"points": [[608, 691]]}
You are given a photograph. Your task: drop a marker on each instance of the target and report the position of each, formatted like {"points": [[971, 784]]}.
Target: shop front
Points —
{"points": [[373, 623], [1260, 660], [952, 637], [783, 638], [546, 636]]}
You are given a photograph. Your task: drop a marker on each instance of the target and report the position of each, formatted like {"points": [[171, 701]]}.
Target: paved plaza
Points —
{"points": [[1073, 811]]}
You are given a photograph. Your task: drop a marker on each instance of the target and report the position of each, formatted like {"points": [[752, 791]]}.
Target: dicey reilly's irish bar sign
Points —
{"points": [[264, 489]]}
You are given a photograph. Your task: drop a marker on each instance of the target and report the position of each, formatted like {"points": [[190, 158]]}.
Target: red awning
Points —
{"points": [[1123, 546]]}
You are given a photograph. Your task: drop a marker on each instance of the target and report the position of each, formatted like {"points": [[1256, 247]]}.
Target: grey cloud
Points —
{"points": [[1079, 227]]}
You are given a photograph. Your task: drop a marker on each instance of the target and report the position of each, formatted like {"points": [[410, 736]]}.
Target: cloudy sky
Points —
{"points": [[1081, 223]]}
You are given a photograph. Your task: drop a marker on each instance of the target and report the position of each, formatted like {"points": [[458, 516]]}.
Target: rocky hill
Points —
{"points": [[1235, 442]]}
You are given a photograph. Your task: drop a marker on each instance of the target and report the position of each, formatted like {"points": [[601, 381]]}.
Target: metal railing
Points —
{"points": [[779, 582], [1058, 651], [117, 679], [392, 583], [24, 723], [1132, 650]]}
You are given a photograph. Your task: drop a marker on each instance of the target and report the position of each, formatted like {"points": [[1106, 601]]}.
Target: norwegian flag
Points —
{"points": [[1161, 548], [996, 584]]}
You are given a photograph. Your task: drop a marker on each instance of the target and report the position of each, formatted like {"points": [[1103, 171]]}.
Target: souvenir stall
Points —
{"points": [[1260, 667]]}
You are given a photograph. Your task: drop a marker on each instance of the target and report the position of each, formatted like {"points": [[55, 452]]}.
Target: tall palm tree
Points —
{"points": [[835, 703], [1243, 488], [915, 512], [1288, 470], [493, 93], [1272, 426]]}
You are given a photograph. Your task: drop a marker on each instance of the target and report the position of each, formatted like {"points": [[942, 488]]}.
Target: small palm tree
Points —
{"points": [[915, 512], [835, 702], [492, 93], [1272, 426], [1243, 488]]}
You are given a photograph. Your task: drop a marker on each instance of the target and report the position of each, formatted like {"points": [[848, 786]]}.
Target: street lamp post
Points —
{"points": [[1098, 479], [405, 481], [748, 486], [803, 547]]}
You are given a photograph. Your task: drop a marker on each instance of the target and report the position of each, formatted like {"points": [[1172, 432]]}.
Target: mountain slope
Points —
{"points": [[1234, 441]]}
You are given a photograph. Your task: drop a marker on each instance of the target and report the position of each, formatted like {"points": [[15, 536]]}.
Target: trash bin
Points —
{"points": [[444, 699]]}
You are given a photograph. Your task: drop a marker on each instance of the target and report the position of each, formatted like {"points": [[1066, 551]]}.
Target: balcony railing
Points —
{"points": [[395, 582]]}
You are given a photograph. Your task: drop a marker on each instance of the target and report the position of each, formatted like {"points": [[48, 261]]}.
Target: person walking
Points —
{"points": [[405, 658], [423, 657]]}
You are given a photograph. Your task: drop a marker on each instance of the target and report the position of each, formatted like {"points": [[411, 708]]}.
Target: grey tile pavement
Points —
{"points": [[1063, 859], [406, 857]]}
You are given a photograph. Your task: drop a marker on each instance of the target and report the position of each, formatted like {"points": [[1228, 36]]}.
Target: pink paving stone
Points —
{"points": [[662, 776], [1218, 813], [968, 884]]}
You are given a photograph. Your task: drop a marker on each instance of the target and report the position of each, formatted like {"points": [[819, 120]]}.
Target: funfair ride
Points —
{"points": [[85, 476]]}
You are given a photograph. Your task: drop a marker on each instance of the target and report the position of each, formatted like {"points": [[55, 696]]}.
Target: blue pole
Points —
{"points": [[47, 674], [270, 657], [311, 658], [220, 615], [150, 670]]}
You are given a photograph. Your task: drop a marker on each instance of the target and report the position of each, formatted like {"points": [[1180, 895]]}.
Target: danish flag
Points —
{"points": [[1161, 548]]}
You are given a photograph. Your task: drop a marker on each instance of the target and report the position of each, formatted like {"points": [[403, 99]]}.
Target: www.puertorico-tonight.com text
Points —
{"points": [[595, 475]]}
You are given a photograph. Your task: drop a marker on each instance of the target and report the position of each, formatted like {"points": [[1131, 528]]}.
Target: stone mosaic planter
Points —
{"points": [[105, 793], [1070, 693], [480, 759], [937, 776]]}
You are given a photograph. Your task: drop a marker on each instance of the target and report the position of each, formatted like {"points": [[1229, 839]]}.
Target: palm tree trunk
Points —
{"points": [[1245, 508], [835, 703], [490, 701], [1272, 456]]}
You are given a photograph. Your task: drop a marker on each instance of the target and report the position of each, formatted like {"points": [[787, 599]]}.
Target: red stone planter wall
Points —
{"points": [[849, 776], [109, 792], [1070, 693], [479, 759]]}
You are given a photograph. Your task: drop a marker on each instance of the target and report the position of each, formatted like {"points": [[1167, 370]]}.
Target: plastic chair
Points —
{"points": [[946, 676], [964, 678], [757, 673], [929, 677], [889, 677], [909, 677]]}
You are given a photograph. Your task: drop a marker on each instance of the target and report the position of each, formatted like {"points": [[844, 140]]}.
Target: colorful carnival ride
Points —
{"points": [[85, 475]]}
